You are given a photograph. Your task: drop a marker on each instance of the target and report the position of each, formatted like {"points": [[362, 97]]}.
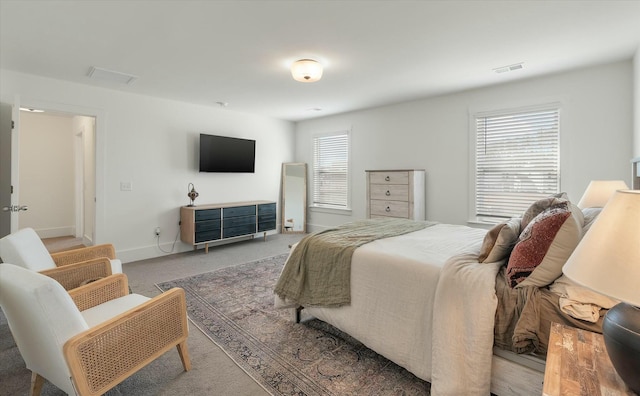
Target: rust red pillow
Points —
{"points": [[544, 246]]}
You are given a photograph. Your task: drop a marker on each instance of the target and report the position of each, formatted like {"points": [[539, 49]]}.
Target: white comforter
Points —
{"points": [[418, 300]]}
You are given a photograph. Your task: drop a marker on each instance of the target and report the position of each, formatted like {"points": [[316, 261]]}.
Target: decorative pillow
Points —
{"points": [[590, 215], [499, 241], [545, 245], [540, 205]]}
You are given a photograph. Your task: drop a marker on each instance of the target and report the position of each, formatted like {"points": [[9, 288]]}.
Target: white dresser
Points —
{"points": [[396, 193]]}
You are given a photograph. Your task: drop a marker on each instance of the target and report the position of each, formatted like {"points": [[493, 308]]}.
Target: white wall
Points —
{"points": [[152, 143], [47, 174], [84, 128], [636, 104], [433, 134]]}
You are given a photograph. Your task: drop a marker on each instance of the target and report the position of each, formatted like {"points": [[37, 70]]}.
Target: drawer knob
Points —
{"points": [[388, 193], [387, 178], [388, 209]]}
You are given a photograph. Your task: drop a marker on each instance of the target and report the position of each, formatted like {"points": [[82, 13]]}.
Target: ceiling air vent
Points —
{"points": [[111, 76], [504, 69]]}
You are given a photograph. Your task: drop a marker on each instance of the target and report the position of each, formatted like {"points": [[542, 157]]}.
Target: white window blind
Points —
{"points": [[331, 170], [517, 161]]}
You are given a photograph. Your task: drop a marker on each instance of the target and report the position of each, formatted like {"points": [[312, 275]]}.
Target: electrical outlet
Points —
{"points": [[157, 231]]}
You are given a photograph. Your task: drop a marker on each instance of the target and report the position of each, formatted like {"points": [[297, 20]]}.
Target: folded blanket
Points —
{"points": [[580, 302], [318, 271]]}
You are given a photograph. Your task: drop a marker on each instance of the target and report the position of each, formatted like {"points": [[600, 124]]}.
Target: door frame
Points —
{"points": [[99, 116]]}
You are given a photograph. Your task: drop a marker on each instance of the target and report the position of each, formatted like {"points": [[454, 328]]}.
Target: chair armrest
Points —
{"points": [[73, 275], [103, 356], [84, 254], [100, 291]]}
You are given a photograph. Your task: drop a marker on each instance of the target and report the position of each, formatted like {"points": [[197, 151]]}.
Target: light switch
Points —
{"points": [[125, 186]]}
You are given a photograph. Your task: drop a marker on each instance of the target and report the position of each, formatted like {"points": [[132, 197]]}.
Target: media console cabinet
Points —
{"points": [[204, 224]]}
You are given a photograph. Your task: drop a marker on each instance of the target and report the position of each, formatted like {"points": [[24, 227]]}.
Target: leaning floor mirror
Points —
{"points": [[294, 197]]}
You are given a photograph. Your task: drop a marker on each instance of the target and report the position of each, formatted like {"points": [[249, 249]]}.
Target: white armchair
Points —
{"points": [[88, 340], [25, 249]]}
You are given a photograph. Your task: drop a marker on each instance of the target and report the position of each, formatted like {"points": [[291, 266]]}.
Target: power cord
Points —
{"points": [[173, 246]]}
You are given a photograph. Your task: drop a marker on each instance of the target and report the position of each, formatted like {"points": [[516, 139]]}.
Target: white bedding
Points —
{"points": [[401, 285]]}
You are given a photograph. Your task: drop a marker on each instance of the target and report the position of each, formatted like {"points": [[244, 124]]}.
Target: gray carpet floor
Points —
{"points": [[212, 373]]}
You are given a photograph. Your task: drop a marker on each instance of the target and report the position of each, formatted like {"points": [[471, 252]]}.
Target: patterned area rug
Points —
{"points": [[234, 308]]}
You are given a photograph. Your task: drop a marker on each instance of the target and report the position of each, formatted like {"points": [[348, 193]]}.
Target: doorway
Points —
{"points": [[53, 174]]}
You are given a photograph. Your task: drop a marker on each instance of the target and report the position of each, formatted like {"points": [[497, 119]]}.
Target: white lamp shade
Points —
{"points": [[607, 259], [306, 70], [598, 193]]}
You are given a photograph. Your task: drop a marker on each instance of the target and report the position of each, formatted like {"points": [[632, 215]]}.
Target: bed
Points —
{"points": [[423, 300]]}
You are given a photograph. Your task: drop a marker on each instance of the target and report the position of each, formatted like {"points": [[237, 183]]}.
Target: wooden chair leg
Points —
{"points": [[37, 381], [184, 355]]}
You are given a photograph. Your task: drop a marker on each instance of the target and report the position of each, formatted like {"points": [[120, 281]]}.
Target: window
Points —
{"points": [[517, 161], [331, 171]]}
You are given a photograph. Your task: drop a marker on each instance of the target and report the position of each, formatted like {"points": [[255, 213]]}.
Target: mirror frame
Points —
{"points": [[284, 199]]}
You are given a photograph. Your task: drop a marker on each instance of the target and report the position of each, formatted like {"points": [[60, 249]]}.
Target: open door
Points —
{"points": [[5, 169]]}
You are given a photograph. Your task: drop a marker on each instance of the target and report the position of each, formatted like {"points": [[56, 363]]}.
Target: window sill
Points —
{"points": [[483, 223], [320, 209]]}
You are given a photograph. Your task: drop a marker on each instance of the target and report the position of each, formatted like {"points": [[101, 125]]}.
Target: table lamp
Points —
{"points": [[607, 260], [598, 193], [192, 194]]}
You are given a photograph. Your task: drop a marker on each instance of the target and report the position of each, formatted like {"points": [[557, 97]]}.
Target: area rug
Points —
{"points": [[234, 307]]}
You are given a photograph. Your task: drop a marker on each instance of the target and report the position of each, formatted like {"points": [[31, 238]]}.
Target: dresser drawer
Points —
{"points": [[207, 214], [383, 177], [267, 209], [239, 211], [266, 225], [207, 225], [238, 221], [392, 192], [239, 230], [266, 217], [390, 208], [207, 236]]}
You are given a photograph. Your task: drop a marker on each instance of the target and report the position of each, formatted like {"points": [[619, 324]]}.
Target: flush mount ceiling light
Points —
{"points": [[306, 70], [31, 110], [111, 76]]}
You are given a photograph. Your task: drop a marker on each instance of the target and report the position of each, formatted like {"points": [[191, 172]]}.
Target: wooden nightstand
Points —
{"points": [[578, 364]]}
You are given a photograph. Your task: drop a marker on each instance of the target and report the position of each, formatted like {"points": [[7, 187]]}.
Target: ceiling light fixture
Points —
{"points": [[306, 70], [31, 110]]}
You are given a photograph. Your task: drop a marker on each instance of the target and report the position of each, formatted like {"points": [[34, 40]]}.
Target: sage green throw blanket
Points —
{"points": [[318, 271]]}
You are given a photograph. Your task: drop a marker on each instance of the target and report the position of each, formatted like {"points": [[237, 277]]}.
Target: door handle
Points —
{"points": [[15, 208]]}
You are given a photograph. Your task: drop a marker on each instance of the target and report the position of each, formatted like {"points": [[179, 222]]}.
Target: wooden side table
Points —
{"points": [[578, 364]]}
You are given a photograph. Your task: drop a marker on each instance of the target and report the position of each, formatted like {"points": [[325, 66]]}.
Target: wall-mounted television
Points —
{"points": [[227, 154]]}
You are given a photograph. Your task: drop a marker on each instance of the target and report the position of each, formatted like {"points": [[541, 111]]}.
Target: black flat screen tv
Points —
{"points": [[227, 154]]}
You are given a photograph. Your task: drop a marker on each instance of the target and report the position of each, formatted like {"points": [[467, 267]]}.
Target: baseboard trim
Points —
{"points": [[55, 232], [152, 251]]}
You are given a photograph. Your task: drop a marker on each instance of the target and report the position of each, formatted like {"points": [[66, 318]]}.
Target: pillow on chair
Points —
{"points": [[25, 248]]}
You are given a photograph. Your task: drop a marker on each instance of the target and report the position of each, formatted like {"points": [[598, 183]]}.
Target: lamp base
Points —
{"points": [[621, 331]]}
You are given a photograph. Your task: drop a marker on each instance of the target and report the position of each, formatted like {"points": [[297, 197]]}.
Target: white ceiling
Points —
{"points": [[374, 52]]}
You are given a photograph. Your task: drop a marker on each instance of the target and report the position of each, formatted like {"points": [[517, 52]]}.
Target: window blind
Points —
{"points": [[517, 161], [331, 170]]}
